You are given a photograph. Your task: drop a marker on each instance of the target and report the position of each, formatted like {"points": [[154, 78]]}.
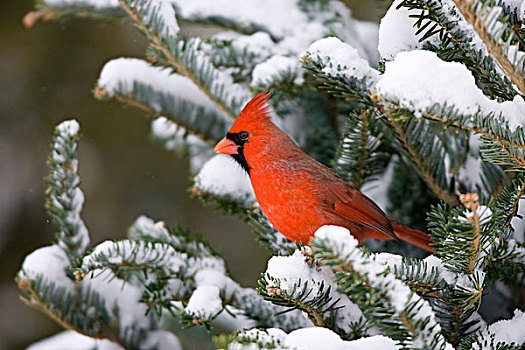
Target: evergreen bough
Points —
{"points": [[412, 159]]}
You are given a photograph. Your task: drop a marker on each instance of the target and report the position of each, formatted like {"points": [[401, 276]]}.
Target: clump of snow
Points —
{"points": [[65, 340], [52, 262], [205, 302], [510, 331], [216, 278], [397, 32], [162, 12], [147, 228], [314, 338], [504, 332], [434, 262], [265, 73], [308, 338], [287, 273], [407, 81], [319, 338], [69, 128], [173, 134], [388, 259], [223, 177], [259, 43], [375, 342], [265, 14], [342, 59]]}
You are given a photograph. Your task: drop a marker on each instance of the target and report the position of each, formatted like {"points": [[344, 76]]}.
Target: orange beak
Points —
{"points": [[226, 146]]}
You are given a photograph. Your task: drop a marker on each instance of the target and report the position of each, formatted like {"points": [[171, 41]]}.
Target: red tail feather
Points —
{"points": [[415, 237]]}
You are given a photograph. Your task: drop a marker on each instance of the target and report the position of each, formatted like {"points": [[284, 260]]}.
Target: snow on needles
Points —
{"points": [[65, 196], [339, 58], [290, 273], [400, 297], [223, 177], [309, 338], [65, 340], [161, 11], [266, 72], [397, 32], [406, 81], [504, 331], [119, 76], [51, 262]]}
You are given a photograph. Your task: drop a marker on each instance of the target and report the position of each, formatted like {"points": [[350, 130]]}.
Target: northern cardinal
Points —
{"points": [[297, 193]]}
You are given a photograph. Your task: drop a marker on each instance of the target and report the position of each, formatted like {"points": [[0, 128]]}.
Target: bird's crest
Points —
{"points": [[257, 109]]}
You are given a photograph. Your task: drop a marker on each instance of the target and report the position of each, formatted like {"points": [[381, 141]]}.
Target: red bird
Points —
{"points": [[297, 193]]}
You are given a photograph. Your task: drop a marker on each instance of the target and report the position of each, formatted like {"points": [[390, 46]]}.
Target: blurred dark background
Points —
{"points": [[47, 74]]}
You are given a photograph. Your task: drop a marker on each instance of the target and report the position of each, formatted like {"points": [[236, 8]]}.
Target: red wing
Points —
{"points": [[350, 204]]}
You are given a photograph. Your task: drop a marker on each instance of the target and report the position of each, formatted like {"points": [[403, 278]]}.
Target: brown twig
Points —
{"points": [[470, 201]]}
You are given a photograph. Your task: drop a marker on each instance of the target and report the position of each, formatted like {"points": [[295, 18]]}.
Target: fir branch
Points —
{"points": [[197, 255], [480, 15], [64, 198], [489, 126], [266, 313], [279, 297], [124, 257], [79, 9], [457, 234], [507, 263], [417, 159], [145, 229], [358, 159], [506, 207], [456, 46], [385, 301], [311, 290], [48, 297], [34, 300], [262, 338], [196, 119], [449, 301], [184, 56]]}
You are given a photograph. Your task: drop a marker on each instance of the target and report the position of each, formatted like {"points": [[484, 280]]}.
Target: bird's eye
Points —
{"points": [[243, 135]]}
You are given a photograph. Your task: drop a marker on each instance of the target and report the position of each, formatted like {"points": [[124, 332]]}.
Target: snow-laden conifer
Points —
{"points": [[423, 112]]}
